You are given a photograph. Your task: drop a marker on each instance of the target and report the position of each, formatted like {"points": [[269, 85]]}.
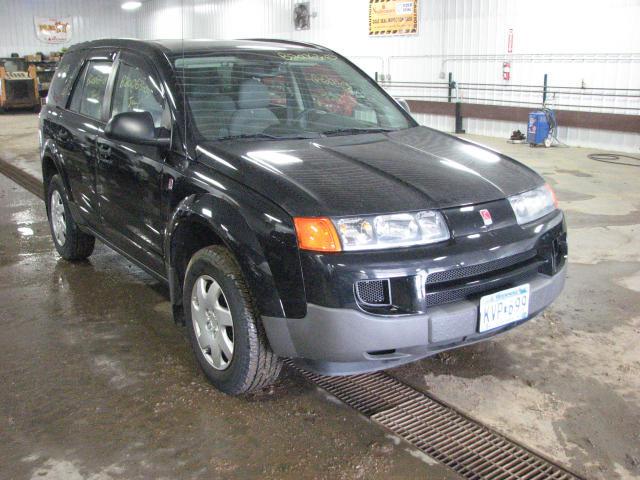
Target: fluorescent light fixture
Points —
{"points": [[131, 5]]}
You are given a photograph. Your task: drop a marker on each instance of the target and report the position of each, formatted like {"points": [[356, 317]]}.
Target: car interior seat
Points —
{"points": [[252, 115], [211, 109]]}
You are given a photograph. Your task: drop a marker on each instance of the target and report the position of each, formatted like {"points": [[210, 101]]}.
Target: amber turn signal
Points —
{"points": [[553, 194], [317, 234]]}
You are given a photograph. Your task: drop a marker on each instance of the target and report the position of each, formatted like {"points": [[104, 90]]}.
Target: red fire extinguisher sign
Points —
{"points": [[506, 66], [506, 71]]}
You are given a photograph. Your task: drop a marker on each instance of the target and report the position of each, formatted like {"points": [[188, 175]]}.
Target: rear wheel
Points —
{"points": [[70, 242], [224, 326]]}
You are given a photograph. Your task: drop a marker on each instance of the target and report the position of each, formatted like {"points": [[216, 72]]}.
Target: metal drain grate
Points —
{"points": [[369, 394], [469, 448]]}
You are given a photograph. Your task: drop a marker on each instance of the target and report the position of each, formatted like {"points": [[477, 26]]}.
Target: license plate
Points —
{"points": [[502, 308]]}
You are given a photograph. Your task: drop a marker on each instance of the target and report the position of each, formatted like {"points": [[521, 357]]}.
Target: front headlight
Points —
{"points": [[389, 231], [531, 205]]}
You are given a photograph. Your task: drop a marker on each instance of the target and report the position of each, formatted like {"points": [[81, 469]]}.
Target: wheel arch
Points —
{"points": [[51, 164], [203, 219]]}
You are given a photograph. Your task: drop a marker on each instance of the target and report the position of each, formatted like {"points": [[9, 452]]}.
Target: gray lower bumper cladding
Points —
{"points": [[333, 341]]}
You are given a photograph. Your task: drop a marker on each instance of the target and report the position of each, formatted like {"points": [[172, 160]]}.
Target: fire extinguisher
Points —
{"points": [[506, 70]]}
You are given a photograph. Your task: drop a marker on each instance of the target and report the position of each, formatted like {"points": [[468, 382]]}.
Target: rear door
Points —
{"points": [[130, 175], [84, 120]]}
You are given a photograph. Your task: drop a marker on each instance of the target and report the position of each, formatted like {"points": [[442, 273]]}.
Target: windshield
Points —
{"points": [[278, 94]]}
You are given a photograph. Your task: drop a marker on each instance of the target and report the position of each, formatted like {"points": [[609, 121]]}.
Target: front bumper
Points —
{"points": [[342, 341], [430, 295]]}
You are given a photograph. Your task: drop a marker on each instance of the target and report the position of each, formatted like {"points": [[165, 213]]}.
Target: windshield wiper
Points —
{"points": [[248, 135], [264, 136], [355, 131]]}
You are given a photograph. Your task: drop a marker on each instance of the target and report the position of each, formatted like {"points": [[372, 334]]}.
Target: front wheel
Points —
{"points": [[224, 326]]}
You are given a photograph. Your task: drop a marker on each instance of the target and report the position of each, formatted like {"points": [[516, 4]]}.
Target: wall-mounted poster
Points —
{"points": [[53, 30], [393, 17]]}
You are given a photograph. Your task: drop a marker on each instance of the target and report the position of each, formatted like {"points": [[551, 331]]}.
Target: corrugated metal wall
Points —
{"points": [[579, 43], [339, 24], [91, 19]]}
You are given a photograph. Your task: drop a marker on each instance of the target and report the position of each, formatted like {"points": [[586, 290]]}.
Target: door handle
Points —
{"points": [[63, 135], [104, 149]]}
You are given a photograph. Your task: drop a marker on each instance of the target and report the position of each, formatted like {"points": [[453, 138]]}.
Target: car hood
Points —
{"points": [[407, 170]]}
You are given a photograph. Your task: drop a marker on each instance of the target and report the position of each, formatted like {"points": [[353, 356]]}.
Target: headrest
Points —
{"points": [[253, 94], [212, 101], [224, 103]]}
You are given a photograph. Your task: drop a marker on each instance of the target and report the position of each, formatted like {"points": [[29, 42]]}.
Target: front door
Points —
{"points": [[130, 175]]}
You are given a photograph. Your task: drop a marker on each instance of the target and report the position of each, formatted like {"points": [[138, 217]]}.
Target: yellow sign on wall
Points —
{"points": [[393, 17]]}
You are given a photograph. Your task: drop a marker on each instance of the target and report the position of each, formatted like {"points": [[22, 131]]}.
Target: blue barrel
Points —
{"points": [[538, 129]]}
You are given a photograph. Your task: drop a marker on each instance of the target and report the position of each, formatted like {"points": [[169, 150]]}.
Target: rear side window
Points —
{"points": [[88, 98], [63, 79]]}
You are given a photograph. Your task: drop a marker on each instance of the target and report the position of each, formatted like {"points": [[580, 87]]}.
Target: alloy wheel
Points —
{"points": [[212, 322], [58, 219]]}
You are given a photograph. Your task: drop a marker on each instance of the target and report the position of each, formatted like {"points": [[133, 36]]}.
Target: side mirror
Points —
{"points": [[134, 127], [404, 104]]}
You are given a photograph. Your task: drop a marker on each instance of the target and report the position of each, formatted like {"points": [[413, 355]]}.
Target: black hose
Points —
{"points": [[613, 158], [553, 126]]}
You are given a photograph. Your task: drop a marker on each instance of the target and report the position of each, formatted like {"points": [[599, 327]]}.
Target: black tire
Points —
{"points": [[253, 365], [77, 245]]}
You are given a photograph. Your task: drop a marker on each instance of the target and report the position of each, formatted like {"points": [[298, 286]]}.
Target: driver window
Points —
{"points": [[134, 91]]}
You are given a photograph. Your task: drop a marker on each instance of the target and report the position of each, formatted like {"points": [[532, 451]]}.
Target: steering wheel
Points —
{"points": [[303, 116]]}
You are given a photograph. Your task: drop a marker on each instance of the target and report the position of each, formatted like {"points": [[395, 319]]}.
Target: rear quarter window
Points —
{"points": [[63, 79]]}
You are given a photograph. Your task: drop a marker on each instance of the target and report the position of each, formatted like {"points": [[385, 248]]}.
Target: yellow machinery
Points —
{"points": [[18, 85]]}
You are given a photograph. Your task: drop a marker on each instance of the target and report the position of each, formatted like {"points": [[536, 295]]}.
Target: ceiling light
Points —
{"points": [[131, 5]]}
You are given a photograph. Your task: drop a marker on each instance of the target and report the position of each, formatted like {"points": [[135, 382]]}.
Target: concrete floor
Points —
{"points": [[568, 383], [109, 387], [98, 383]]}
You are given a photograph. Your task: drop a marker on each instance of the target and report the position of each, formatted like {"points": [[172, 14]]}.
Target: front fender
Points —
{"points": [[261, 237]]}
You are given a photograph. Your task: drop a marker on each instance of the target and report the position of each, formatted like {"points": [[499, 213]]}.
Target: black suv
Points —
{"points": [[292, 206]]}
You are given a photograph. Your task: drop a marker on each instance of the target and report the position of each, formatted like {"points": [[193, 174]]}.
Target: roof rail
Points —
{"points": [[109, 42], [291, 42]]}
